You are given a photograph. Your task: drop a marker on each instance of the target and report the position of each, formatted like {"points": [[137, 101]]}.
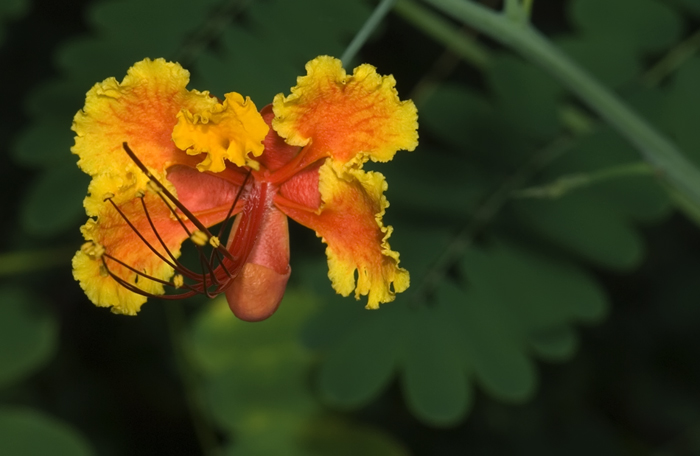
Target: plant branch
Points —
{"points": [[487, 211], [672, 60], [656, 149], [367, 28], [451, 37], [569, 182]]}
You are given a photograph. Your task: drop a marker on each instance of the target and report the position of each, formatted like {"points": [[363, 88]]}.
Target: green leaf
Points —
{"points": [[597, 222], [497, 358], [554, 344], [422, 184], [363, 363], [45, 144], [420, 247], [256, 378], [514, 304], [363, 346], [612, 61], [56, 101], [473, 127], [337, 22], [240, 68], [535, 292], [53, 204], [434, 377], [334, 320], [682, 108], [648, 25], [25, 432], [125, 32], [254, 366], [264, 58], [11, 10], [28, 335], [455, 113], [512, 297], [340, 438], [526, 96], [588, 227], [141, 32]]}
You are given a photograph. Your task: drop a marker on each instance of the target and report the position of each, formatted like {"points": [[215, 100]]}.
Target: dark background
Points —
{"points": [[534, 325]]}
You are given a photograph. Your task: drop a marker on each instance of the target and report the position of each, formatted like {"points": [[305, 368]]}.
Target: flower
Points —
{"points": [[168, 163]]}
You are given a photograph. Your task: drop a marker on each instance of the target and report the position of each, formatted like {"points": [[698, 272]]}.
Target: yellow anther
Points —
{"points": [[103, 271], [154, 186], [93, 250], [199, 238], [214, 242], [178, 280], [140, 194], [107, 196]]}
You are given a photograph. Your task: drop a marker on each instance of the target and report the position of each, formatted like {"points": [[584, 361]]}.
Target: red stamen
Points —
{"points": [[170, 196], [181, 268], [135, 289], [212, 280]]}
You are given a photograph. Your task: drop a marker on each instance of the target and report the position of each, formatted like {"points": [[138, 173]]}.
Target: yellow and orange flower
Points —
{"points": [[167, 163]]}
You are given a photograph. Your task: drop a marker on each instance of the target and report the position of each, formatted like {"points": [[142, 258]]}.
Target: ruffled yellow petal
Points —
{"points": [[109, 234], [350, 223], [229, 130], [349, 118], [108, 237], [142, 111]]}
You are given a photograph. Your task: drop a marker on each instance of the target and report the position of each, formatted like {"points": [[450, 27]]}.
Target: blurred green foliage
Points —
{"points": [[256, 380], [11, 10], [517, 304], [27, 334], [500, 344], [27, 432]]}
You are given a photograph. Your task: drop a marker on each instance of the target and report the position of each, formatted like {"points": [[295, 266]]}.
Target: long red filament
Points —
{"points": [[212, 280]]}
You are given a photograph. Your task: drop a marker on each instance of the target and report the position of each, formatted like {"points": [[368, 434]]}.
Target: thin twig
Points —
{"points": [[487, 211]]}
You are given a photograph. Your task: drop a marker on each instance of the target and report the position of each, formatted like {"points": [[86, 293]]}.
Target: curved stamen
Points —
{"points": [[134, 289], [170, 196], [212, 280], [177, 265], [181, 268], [191, 275], [190, 234], [143, 239]]}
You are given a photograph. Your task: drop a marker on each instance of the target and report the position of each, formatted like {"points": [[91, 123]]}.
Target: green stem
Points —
{"points": [[483, 215], [443, 32], [565, 184], [656, 149], [672, 61], [363, 35], [518, 10]]}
